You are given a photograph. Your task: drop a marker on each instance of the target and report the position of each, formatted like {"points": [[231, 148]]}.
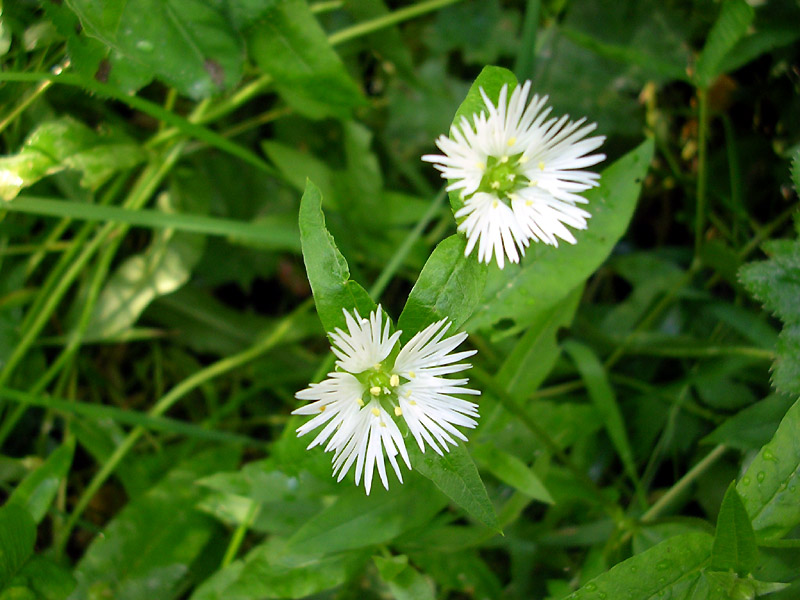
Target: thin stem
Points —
{"points": [[676, 490], [238, 536], [165, 403], [387, 20], [702, 151]]}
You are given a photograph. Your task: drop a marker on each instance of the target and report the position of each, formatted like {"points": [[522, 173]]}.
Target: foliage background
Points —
{"points": [[156, 318]]}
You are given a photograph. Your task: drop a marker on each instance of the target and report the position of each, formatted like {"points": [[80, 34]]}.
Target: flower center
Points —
{"points": [[503, 176], [381, 384]]}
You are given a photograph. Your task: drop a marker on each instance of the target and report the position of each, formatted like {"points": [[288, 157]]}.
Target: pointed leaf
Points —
{"points": [[734, 18], [288, 43], [668, 569], [37, 491], [511, 470], [17, 536], [769, 487], [327, 269], [449, 286], [456, 475], [735, 543]]}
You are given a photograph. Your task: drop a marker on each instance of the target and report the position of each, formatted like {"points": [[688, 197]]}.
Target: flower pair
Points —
{"points": [[380, 387]]}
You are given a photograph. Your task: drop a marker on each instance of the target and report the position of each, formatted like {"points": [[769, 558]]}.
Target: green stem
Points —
{"points": [[238, 535], [387, 20], [524, 64], [684, 482], [165, 403], [702, 153]]}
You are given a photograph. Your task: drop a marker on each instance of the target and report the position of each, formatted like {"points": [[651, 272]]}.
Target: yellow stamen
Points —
{"points": [[495, 185], [480, 165], [523, 159], [375, 390], [394, 380], [322, 408], [541, 166], [407, 394], [494, 204], [528, 203], [503, 159], [376, 412], [411, 375], [398, 411], [360, 401], [383, 424], [377, 366], [511, 141], [413, 403]]}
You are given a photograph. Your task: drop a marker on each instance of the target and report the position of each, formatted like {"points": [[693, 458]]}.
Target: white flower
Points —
{"points": [[374, 383], [519, 174]]}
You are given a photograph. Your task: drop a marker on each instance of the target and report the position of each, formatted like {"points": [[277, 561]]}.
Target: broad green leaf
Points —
{"points": [[605, 400], [403, 580], [44, 579], [449, 286], [356, 520], [491, 80], [327, 269], [455, 474], [65, 144], [298, 167], [752, 427], [548, 274], [769, 488], [464, 571], [37, 491], [288, 43], [162, 268], [267, 572], [735, 541], [188, 44], [734, 18], [511, 470], [776, 283], [146, 551], [666, 570], [17, 536]]}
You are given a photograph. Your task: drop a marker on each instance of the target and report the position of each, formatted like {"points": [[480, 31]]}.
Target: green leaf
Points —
{"points": [[267, 572], [491, 80], [737, 588], [769, 488], [289, 44], [668, 569], [403, 580], [456, 475], [65, 144], [356, 520], [752, 427], [37, 491], [162, 268], [605, 400], [796, 170], [146, 551], [44, 578], [449, 286], [548, 274], [327, 269], [188, 44], [511, 470], [734, 18], [735, 542], [776, 283], [17, 536]]}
